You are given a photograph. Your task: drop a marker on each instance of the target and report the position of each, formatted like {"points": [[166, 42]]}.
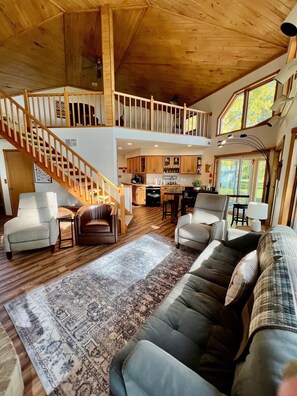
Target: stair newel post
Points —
{"points": [[67, 111], [152, 113], [184, 119], [123, 209]]}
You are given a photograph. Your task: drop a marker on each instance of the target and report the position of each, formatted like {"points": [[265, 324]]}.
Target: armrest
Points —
{"points": [[246, 243], [114, 210], [150, 371], [53, 230], [183, 220], [218, 230]]}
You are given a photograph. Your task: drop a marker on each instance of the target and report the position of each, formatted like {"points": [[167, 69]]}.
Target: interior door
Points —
{"points": [[20, 179]]}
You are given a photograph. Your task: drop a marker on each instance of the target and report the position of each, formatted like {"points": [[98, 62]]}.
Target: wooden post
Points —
{"points": [[123, 209], [108, 64], [184, 119], [152, 113], [67, 110]]}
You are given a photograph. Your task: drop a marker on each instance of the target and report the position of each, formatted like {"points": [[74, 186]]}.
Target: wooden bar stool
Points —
{"points": [[238, 214], [167, 208]]}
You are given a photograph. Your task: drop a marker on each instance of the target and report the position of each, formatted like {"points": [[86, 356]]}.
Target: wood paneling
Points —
{"points": [[83, 48], [162, 48], [17, 16], [34, 59]]}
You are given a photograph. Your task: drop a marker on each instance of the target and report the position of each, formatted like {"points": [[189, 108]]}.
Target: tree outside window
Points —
{"points": [[249, 107]]}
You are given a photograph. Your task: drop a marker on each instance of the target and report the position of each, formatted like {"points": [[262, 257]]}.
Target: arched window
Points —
{"points": [[248, 107]]}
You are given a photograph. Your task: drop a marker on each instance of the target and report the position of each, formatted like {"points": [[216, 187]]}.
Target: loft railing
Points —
{"points": [[57, 159], [84, 109], [67, 109], [151, 115]]}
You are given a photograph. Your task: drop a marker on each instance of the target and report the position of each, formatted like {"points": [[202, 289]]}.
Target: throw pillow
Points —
{"points": [[243, 278]]}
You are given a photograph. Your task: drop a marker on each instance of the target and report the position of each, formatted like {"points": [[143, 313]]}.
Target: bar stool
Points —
{"points": [[238, 214], [167, 208]]}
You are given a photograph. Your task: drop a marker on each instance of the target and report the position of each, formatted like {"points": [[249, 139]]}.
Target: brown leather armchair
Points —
{"points": [[96, 224]]}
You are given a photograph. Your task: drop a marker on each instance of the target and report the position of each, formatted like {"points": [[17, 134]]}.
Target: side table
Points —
{"points": [[66, 216]]}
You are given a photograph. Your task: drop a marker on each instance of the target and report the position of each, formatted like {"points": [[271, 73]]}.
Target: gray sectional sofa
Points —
{"points": [[194, 345]]}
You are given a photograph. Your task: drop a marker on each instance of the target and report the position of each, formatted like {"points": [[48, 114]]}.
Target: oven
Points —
{"points": [[153, 195]]}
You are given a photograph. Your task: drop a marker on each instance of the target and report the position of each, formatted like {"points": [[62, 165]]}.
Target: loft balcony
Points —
{"points": [[87, 109]]}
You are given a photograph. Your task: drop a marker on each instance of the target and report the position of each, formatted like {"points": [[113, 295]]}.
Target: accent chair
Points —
{"points": [[96, 224], [207, 222], [35, 225]]}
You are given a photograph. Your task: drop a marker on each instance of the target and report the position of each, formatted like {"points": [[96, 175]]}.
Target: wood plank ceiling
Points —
{"points": [[162, 47]]}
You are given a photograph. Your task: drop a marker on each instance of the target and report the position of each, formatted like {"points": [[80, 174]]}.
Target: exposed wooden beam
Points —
{"points": [[108, 63]]}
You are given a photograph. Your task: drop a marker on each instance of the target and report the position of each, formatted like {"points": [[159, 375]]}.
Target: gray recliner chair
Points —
{"points": [[35, 225], [207, 222]]}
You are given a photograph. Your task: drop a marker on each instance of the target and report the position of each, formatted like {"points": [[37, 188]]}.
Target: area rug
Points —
{"points": [[72, 327]]}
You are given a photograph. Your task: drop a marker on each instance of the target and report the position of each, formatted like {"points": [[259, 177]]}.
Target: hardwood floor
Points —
{"points": [[28, 270]]}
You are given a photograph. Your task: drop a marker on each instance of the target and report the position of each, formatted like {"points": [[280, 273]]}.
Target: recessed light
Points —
{"points": [[119, 148], [190, 145], [156, 145], [129, 144]]}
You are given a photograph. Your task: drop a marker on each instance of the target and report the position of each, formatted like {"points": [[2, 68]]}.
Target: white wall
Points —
{"points": [[270, 136]]}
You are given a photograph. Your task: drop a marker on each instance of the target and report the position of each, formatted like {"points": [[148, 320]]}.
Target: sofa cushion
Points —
{"points": [[216, 263], [243, 278], [193, 325]]}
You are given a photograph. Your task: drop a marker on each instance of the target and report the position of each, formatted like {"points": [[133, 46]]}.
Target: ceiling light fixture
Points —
{"points": [[129, 144], [289, 26], [190, 145], [156, 145], [277, 105], [257, 144], [274, 120], [119, 148], [286, 72]]}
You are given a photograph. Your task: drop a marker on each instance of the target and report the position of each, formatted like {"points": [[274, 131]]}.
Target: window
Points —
{"points": [[248, 107]]}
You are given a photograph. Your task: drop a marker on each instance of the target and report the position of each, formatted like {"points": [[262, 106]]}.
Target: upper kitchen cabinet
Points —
{"points": [[134, 165], [154, 164], [171, 164], [191, 164]]}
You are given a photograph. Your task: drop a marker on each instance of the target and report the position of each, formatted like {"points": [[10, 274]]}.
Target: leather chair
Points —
{"points": [[35, 225], [207, 222], [96, 224]]}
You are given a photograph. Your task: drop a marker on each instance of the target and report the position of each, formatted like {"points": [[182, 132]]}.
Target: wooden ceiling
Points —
{"points": [[161, 47]]}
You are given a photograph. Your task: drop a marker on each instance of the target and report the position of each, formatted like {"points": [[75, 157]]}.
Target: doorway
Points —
{"points": [[20, 179]]}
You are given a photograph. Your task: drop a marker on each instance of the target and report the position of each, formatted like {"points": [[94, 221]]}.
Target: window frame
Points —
{"points": [[246, 90]]}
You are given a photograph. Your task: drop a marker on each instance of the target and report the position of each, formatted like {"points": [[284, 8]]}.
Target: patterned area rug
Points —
{"points": [[72, 327]]}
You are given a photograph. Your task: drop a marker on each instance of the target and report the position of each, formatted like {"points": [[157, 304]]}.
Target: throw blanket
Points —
{"points": [[273, 303]]}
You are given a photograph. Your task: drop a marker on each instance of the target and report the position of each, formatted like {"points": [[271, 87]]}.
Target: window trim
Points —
{"points": [[246, 90]]}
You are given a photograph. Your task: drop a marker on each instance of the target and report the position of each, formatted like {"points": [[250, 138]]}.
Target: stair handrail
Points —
{"points": [[31, 117]]}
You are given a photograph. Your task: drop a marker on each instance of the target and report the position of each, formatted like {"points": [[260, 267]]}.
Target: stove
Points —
{"points": [[153, 195]]}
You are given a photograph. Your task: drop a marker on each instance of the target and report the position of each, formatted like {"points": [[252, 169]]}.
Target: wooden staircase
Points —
{"points": [[58, 160]]}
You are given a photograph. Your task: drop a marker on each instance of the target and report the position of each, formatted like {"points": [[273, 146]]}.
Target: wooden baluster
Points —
{"points": [[1, 114], [7, 118], [86, 184], [74, 173], [20, 126], [15, 137], [45, 149], [152, 113], [67, 109], [184, 119], [79, 178]]}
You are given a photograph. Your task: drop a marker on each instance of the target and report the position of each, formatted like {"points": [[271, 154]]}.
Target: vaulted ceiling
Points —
{"points": [[161, 47]]}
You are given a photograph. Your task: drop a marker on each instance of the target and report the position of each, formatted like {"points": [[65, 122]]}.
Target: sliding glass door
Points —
{"points": [[241, 176]]}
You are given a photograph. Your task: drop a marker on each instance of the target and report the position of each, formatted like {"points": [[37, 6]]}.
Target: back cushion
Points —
{"points": [[209, 208], [39, 207]]}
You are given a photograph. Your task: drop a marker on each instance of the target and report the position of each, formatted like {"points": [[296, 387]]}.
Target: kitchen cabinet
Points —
{"points": [[171, 164], [154, 164], [191, 164], [134, 165], [138, 195]]}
